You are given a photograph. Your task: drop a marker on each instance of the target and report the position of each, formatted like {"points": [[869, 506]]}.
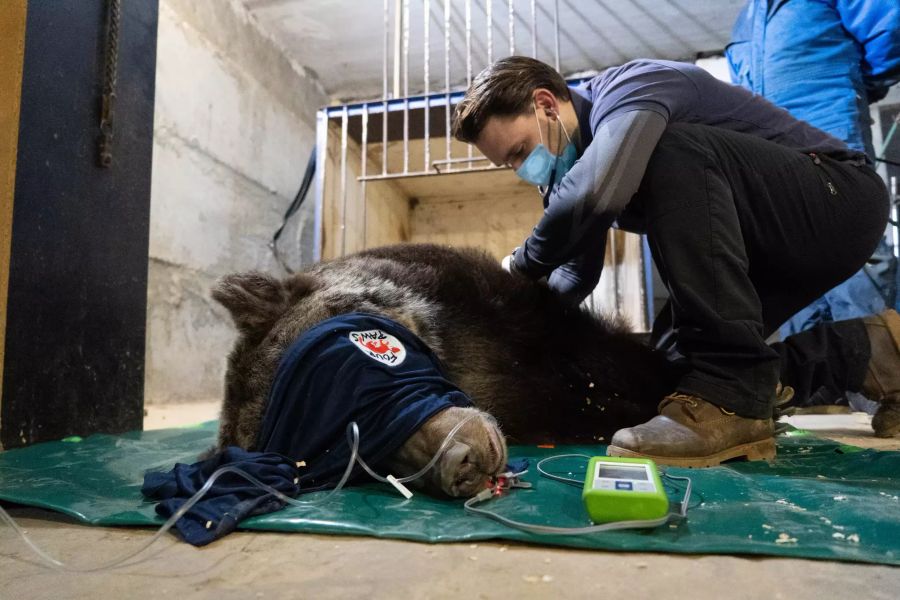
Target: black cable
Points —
{"points": [[294, 207], [893, 163]]}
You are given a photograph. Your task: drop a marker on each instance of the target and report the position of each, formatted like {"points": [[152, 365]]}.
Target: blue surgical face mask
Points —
{"points": [[540, 165], [566, 160]]}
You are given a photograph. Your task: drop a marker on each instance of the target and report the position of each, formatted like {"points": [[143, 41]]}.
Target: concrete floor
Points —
{"points": [[272, 565]]}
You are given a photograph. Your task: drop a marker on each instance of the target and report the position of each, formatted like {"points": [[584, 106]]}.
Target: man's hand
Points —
{"points": [[509, 263]]}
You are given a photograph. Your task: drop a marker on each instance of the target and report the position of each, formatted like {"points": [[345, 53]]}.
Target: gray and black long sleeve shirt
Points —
{"points": [[621, 115]]}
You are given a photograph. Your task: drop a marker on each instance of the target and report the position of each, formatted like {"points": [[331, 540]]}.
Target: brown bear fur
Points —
{"points": [[547, 372]]}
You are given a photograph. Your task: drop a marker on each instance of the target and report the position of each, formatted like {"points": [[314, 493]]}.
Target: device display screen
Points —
{"points": [[637, 472]]}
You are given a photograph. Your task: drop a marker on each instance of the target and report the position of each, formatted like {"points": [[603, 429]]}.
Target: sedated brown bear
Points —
{"points": [[545, 372]]}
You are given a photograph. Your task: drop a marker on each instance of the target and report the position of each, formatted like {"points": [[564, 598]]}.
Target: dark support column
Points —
{"points": [[77, 300]]}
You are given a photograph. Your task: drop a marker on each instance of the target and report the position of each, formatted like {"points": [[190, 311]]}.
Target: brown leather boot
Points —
{"points": [[882, 382], [691, 432]]}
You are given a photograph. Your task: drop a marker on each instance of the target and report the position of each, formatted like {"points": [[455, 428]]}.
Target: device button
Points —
{"points": [[644, 486], [603, 484], [623, 485]]}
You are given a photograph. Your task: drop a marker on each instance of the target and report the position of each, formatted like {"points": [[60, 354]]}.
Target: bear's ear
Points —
{"points": [[255, 300]]}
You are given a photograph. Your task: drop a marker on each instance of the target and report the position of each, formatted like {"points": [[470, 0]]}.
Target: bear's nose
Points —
{"points": [[452, 463]]}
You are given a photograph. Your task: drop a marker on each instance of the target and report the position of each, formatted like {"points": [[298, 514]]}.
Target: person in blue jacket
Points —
{"points": [[750, 214], [825, 62]]}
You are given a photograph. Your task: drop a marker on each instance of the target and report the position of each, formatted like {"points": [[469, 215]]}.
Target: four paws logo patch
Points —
{"points": [[380, 346]]}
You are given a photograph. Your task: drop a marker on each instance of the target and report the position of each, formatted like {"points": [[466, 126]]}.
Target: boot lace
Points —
{"points": [[687, 402]]}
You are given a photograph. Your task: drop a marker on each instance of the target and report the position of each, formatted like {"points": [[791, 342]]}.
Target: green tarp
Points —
{"points": [[818, 500]]}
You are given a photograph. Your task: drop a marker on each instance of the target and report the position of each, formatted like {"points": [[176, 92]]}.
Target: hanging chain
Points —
{"points": [[109, 82]]}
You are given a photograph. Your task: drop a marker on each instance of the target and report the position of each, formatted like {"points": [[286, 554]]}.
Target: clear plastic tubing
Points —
{"points": [[352, 441]]}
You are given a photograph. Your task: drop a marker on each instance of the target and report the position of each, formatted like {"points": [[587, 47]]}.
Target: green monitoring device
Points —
{"points": [[623, 489]]}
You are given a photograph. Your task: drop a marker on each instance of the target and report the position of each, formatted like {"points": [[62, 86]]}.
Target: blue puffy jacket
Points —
{"points": [[822, 60]]}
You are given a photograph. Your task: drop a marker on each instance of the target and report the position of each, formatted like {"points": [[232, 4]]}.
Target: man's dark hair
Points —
{"points": [[503, 89]]}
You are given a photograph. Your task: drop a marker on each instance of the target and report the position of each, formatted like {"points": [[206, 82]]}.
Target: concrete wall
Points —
{"points": [[234, 127]]}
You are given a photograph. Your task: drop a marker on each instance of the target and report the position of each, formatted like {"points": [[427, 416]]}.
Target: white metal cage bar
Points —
{"points": [[344, 118], [426, 21], [469, 152], [412, 122], [447, 78], [397, 49]]}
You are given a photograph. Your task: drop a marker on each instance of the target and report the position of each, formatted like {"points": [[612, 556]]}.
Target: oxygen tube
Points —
{"points": [[497, 490], [352, 441], [502, 483]]}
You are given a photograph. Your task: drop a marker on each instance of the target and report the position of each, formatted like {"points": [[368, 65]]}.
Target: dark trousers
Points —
{"points": [[744, 233], [825, 361]]}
